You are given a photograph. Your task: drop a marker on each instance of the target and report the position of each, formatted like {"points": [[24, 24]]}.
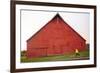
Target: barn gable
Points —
{"points": [[57, 16]]}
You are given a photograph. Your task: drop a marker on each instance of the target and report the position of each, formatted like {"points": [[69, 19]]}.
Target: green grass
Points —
{"points": [[83, 55]]}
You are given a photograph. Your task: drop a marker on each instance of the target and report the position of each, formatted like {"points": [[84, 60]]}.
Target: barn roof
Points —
{"points": [[55, 17]]}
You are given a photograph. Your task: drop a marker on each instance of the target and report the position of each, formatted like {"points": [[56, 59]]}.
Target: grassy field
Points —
{"points": [[83, 56]]}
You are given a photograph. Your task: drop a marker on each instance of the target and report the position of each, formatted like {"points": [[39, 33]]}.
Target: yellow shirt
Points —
{"points": [[76, 51]]}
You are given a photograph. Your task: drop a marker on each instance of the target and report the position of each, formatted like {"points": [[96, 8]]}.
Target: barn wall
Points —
{"points": [[55, 38]]}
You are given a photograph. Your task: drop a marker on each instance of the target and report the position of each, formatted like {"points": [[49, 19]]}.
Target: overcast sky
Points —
{"points": [[32, 21]]}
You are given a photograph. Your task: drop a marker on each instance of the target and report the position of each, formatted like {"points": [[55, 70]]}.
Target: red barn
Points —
{"points": [[55, 38]]}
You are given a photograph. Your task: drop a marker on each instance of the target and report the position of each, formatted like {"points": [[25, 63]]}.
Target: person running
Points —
{"points": [[77, 52]]}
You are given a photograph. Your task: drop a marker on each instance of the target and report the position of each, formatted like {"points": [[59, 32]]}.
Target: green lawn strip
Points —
{"points": [[56, 58]]}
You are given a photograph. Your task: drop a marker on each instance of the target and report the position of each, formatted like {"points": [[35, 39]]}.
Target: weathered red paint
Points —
{"points": [[55, 38]]}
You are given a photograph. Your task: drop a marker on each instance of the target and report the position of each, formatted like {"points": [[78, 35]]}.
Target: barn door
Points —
{"points": [[39, 52]]}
